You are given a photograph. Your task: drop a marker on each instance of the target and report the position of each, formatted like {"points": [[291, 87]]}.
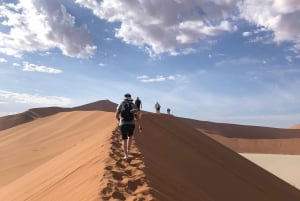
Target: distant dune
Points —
{"points": [[34, 113], [76, 155], [296, 126], [251, 139]]}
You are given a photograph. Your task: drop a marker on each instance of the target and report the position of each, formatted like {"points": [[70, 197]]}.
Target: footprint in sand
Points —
{"points": [[125, 178]]}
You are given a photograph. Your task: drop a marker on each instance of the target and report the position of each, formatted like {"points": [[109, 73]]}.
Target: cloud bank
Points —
{"points": [[169, 26], [165, 26], [44, 69], [159, 78], [281, 17], [12, 97], [39, 25]]}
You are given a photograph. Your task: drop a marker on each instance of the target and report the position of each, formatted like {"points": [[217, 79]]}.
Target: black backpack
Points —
{"points": [[126, 113]]}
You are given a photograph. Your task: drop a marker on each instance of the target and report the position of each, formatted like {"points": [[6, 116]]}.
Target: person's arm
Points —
{"points": [[118, 113]]}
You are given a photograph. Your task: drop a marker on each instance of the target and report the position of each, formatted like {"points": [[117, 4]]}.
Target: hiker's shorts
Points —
{"points": [[127, 130]]}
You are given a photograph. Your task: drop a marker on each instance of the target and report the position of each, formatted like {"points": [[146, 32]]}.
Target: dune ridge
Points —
{"points": [[78, 156], [251, 139], [295, 126], [10, 121], [124, 179], [188, 165]]}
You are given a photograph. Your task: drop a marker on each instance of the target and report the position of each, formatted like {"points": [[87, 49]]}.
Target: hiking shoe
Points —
{"points": [[125, 157]]}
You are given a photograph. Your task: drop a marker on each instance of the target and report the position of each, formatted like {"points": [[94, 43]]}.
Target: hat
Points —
{"points": [[127, 96]]}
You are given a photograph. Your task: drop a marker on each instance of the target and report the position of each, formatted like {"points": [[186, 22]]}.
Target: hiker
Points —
{"points": [[138, 103], [126, 114], [168, 110], [157, 107]]}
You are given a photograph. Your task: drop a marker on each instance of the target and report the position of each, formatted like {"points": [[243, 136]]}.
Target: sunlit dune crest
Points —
{"points": [[296, 126], [77, 155], [251, 139], [34, 113]]}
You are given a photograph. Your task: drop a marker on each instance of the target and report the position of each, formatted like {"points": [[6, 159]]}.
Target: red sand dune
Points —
{"points": [[184, 164], [251, 139], [77, 156], [295, 126], [34, 113]]}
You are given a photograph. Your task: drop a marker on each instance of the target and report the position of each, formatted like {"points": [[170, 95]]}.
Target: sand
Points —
{"points": [[77, 155]]}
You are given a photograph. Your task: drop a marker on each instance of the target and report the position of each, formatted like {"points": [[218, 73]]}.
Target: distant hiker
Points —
{"points": [[138, 103], [169, 111], [157, 107], [126, 114]]}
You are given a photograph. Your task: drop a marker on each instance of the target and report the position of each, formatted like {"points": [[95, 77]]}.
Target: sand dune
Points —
{"points": [[29, 145], [70, 156], [35, 113], [183, 164], [77, 156], [296, 126], [251, 139]]}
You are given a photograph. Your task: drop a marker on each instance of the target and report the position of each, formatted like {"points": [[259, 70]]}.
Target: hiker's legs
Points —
{"points": [[129, 144], [127, 131], [124, 132], [130, 136], [125, 147]]}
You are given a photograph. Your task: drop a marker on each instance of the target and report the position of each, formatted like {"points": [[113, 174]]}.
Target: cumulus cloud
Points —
{"points": [[169, 26], [39, 25], [44, 69], [279, 16], [159, 78], [2, 60], [16, 64], [165, 26], [13, 97], [245, 34]]}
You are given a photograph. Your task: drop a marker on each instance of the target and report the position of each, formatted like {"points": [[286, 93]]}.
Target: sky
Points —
{"points": [[227, 61]]}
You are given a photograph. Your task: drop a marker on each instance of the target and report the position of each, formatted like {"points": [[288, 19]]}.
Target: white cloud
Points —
{"points": [[238, 62], [2, 60], [158, 27], [142, 77], [16, 64], [165, 26], [9, 97], [159, 78], [279, 16], [33, 67], [245, 34], [289, 58], [39, 25]]}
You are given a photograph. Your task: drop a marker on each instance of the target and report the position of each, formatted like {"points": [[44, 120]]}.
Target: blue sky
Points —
{"points": [[228, 61]]}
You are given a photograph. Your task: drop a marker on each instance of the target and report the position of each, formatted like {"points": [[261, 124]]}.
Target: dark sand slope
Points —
{"points": [[184, 164], [251, 139], [35, 113]]}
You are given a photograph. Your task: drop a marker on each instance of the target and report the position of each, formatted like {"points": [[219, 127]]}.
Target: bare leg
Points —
{"points": [[125, 148], [129, 144]]}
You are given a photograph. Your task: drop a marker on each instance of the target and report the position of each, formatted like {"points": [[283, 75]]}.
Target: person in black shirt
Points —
{"points": [[138, 103]]}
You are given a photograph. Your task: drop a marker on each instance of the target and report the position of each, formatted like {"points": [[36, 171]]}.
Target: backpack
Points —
{"points": [[126, 113]]}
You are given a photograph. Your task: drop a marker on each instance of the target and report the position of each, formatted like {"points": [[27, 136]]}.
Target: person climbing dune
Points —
{"points": [[127, 114]]}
